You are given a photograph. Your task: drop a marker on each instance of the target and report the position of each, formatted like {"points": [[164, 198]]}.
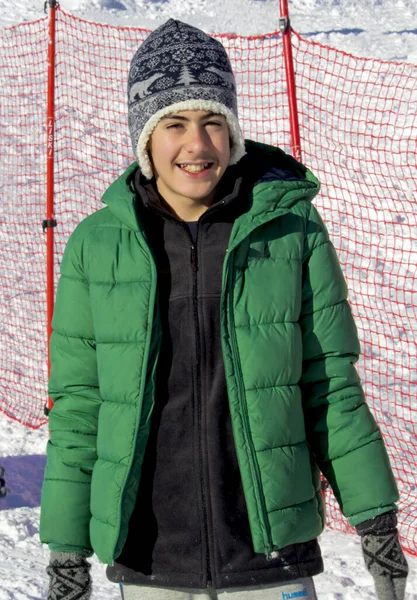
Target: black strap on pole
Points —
{"points": [[50, 4], [284, 24], [48, 223]]}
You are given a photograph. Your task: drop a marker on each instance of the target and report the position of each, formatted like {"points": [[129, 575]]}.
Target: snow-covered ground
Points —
{"points": [[23, 559], [384, 29]]}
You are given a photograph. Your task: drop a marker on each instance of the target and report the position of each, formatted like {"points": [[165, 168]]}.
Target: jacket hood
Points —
{"points": [[279, 181], [271, 163]]}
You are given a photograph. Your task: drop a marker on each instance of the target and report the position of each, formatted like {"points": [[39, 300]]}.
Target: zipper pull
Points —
{"points": [[271, 554], [193, 259]]}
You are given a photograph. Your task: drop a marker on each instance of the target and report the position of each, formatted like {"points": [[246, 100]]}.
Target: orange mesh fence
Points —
{"points": [[358, 131], [23, 337]]}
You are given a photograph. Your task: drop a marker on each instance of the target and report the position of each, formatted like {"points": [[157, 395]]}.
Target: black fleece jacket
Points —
{"points": [[190, 527]]}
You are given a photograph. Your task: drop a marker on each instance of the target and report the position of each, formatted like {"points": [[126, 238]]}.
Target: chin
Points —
{"points": [[200, 194]]}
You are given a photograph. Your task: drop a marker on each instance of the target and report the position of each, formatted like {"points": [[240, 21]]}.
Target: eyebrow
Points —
{"points": [[181, 118]]}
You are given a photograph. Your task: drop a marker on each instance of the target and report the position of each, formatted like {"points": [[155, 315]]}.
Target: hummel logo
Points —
{"points": [[301, 594]]}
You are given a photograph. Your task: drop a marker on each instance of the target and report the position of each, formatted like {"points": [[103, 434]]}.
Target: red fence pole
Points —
{"points": [[285, 28], [49, 223]]}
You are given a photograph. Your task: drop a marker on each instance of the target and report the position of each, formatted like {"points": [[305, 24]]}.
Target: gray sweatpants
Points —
{"points": [[300, 588]]}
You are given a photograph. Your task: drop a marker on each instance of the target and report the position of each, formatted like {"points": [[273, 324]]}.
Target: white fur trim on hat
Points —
{"points": [[236, 153]]}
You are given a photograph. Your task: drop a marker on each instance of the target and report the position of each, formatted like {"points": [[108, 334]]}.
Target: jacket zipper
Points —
{"points": [[194, 267], [151, 314], [253, 464]]}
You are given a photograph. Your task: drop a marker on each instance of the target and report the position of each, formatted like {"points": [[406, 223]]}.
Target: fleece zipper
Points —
{"points": [[197, 391], [198, 395], [203, 484]]}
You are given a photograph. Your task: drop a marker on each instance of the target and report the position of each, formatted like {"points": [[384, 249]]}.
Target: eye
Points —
{"points": [[214, 123], [174, 126]]}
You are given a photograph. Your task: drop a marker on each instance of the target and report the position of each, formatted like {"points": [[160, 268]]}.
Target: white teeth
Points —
{"points": [[195, 168]]}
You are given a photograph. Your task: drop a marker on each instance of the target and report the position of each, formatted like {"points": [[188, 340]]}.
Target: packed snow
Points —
{"points": [[23, 559], [383, 29]]}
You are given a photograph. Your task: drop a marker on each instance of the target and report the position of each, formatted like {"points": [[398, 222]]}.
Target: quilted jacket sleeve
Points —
{"points": [[341, 431], [74, 389]]}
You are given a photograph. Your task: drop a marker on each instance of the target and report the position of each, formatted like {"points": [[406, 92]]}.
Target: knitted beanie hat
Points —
{"points": [[178, 67]]}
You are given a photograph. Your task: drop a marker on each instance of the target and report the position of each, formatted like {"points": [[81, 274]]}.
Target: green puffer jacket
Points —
{"points": [[289, 343]]}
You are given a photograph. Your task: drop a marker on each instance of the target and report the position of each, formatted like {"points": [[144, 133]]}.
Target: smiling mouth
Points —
{"points": [[195, 168]]}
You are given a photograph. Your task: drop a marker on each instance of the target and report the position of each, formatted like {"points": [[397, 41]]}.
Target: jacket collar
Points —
{"points": [[277, 180]]}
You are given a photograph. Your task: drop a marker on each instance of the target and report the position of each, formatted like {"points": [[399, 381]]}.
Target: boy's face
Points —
{"points": [[189, 151]]}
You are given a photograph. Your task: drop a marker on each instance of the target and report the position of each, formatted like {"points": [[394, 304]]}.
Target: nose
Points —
{"points": [[196, 140]]}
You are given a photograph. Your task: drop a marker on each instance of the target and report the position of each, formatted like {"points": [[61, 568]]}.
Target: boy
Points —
{"points": [[202, 363]]}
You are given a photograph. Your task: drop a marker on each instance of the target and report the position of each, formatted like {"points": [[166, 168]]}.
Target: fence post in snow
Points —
{"points": [[285, 28], [49, 223]]}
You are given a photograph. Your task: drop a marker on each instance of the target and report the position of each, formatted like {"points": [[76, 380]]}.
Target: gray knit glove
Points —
{"points": [[69, 576], [383, 556]]}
